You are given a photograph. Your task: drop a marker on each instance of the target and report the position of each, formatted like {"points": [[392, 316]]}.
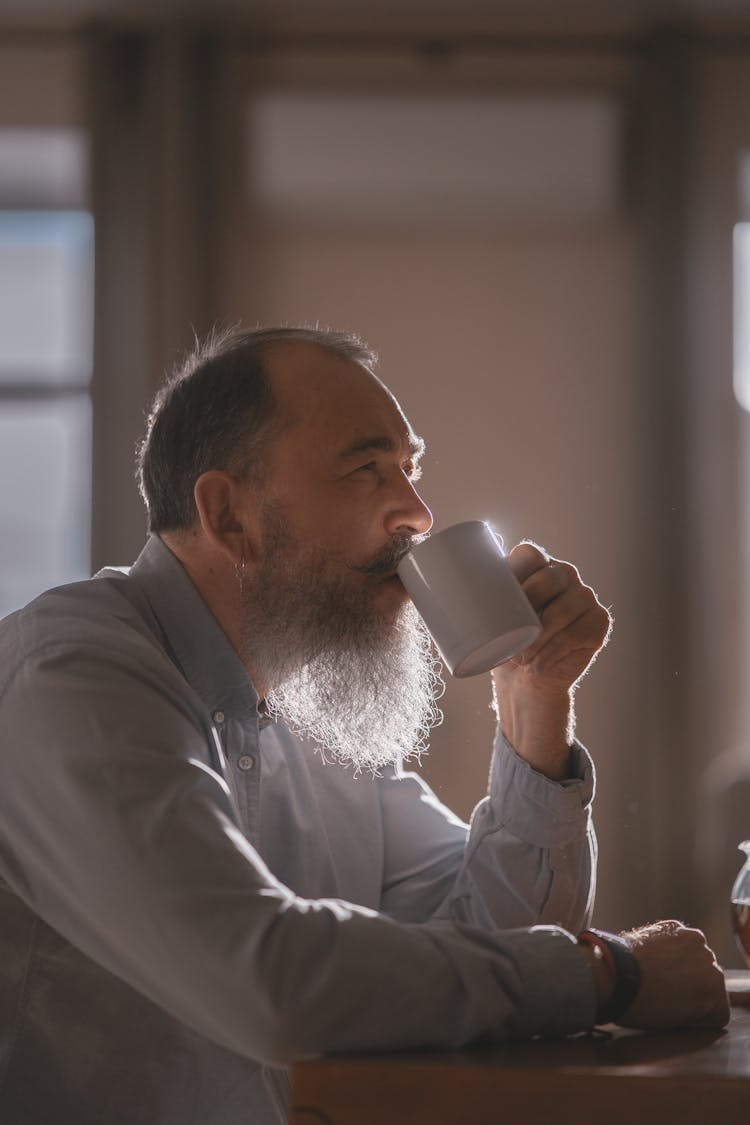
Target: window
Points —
{"points": [[46, 330], [742, 314]]}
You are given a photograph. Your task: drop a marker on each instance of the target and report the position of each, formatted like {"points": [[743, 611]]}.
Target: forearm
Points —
{"points": [[538, 724]]}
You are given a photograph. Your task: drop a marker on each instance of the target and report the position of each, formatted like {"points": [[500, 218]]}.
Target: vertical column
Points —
{"points": [[663, 778], [117, 67], [188, 176], [156, 121]]}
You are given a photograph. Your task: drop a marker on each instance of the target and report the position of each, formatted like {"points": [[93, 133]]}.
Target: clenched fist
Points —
{"points": [[681, 982]]}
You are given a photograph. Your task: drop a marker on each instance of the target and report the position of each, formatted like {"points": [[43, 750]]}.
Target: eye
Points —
{"points": [[370, 468], [412, 471]]}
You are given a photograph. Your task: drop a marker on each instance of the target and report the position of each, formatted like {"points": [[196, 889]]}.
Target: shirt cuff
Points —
{"points": [[534, 808], [555, 971]]}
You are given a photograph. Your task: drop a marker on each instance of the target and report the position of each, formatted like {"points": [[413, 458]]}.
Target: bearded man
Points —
{"points": [[191, 896]]}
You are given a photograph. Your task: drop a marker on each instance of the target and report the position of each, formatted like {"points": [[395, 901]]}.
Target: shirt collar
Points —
{"points": [[196, 641]]}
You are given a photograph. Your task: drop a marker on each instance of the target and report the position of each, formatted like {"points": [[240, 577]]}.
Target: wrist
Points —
{"points": [[538, 724], [604, 978], [617, 974]]}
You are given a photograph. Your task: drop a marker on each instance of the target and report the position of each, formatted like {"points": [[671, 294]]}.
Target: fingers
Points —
{"points": [[574, 623], [717, 1007], [710, 990], [549, 583], [526, 558], [718, 1011], [564, 641]]}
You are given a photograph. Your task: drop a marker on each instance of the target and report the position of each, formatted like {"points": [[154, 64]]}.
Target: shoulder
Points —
{"points": [[96, 615], [81, 669]]}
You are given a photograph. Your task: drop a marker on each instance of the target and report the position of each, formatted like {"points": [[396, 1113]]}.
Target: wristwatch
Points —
{"points": [[624, 967]]}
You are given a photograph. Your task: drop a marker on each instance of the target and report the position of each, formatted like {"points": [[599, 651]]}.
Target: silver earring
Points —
{"points": [[239, 570]]}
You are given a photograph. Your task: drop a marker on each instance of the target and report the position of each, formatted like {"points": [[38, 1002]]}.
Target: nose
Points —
{"points": [[409, 514]]}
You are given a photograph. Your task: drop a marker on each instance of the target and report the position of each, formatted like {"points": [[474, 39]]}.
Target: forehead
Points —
{"points": [[331, 401]]}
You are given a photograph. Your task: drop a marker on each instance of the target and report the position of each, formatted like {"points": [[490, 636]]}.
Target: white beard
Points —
{"points": [[363, 687]]}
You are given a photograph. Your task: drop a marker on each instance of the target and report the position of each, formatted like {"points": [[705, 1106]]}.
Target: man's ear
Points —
{"points": [[229, 514]]}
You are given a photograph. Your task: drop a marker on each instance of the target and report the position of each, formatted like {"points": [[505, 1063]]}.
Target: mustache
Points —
{"points": [[389, 558]]}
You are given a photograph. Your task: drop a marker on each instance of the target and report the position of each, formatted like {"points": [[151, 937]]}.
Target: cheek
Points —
{"points": [[350, 533], [345, 528]]}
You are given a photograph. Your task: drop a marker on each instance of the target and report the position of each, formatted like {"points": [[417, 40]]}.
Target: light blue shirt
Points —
{"points": [[191, 899]]}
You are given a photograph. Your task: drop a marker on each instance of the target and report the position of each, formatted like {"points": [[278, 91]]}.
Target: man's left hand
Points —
{"points": [[535, 688]]}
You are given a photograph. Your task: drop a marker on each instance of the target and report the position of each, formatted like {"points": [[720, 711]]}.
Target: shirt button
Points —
{"points": [[245, 762], [218, 717]]}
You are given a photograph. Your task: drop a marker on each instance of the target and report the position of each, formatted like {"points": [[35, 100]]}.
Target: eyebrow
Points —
{"points": [[415, 446]]}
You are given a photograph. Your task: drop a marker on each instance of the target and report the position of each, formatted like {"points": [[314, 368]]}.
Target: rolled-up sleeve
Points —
{"points": [[527, 857]]}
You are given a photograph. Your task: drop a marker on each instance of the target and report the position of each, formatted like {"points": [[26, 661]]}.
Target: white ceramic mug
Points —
{"points": [[469, 598]]}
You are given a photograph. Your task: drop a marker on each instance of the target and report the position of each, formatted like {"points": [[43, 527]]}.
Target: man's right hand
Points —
{"points": [[681, 982]]}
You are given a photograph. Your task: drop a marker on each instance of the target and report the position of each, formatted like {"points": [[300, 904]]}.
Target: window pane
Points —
{"points": [[369, 161], [45, 458], [45, 168], [46, 297], [742, 314]]}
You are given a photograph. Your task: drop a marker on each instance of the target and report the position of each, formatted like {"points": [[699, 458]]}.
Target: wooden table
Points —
{"points": [[632, 1078]]}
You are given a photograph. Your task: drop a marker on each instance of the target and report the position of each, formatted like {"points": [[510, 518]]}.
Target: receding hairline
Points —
{"points": [[346, 345], [364, 362], [360, 356], [294, 407]]}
